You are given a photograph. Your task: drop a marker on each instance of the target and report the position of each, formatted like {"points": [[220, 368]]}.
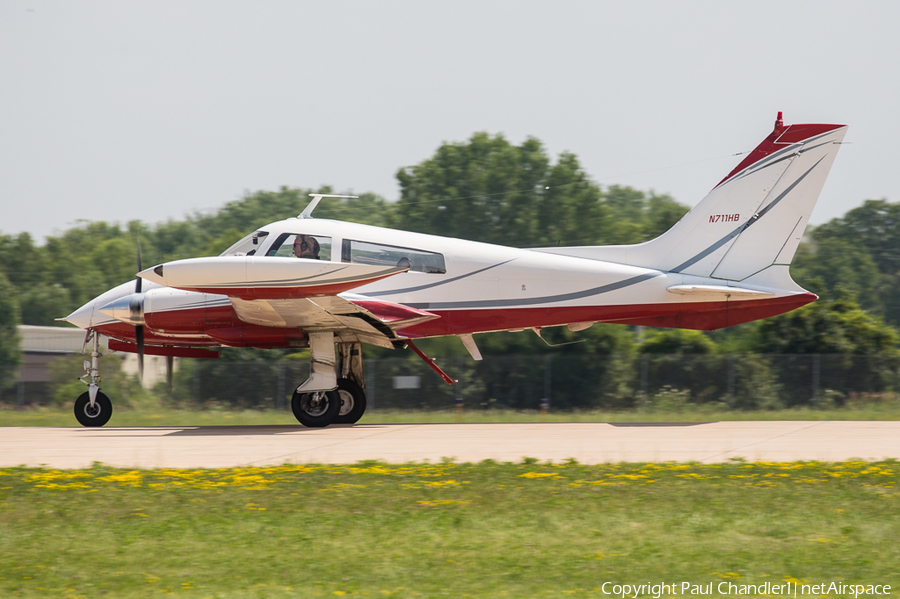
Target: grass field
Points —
{"points": [[157, 415], [434, 530]]}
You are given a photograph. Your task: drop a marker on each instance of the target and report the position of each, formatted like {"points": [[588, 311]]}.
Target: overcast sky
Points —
{"points": [[153, 110]]}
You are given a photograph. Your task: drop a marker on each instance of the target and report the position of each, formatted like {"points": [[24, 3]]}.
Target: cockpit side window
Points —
{"points": [[363, 252], [247, 246], [301, 245]]}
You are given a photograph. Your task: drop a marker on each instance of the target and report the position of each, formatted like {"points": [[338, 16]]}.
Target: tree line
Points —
{"points": [[489, 189]]}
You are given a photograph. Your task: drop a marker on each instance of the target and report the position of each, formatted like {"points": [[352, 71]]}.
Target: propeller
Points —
{"points": [[139, 329], [130, 309]]}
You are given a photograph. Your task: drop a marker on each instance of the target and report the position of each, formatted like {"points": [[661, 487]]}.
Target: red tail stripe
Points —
{"points": [[778, 139]]}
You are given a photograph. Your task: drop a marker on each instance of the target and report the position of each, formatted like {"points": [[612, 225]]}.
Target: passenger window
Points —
{"points": [[300, 245], [363, 252]]}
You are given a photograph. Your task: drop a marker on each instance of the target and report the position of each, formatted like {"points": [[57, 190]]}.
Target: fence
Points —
{"points": [[566, 381]]}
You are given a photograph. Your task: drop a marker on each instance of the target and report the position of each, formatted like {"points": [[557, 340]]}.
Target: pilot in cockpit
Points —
{"points": [[306, 246]]}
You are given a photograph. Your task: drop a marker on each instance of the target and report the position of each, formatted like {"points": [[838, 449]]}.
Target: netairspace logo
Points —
{"points": [[791, 589]]}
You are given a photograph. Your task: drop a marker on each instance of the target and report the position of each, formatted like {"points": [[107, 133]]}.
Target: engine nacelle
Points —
{"points": [[129, 309]]}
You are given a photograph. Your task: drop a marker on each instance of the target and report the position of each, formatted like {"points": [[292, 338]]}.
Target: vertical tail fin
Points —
{"points": [[756, 216], [752, 219]]}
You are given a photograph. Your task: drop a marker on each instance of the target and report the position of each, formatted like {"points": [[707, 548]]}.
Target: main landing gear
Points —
{"points": [[316, 408], [324, 398], [92, 408], [353, 402]]}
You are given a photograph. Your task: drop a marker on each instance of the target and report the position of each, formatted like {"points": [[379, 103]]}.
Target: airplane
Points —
{"points": [[332, 286]]}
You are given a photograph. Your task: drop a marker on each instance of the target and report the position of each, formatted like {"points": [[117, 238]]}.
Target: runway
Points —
{"points": [[589, 443]]}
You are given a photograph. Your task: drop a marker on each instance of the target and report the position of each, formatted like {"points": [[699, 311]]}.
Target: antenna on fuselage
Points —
{"points": [[316, 198]]}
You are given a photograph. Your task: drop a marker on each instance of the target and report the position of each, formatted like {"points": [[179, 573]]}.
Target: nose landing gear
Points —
{"points": [[92, 408]]}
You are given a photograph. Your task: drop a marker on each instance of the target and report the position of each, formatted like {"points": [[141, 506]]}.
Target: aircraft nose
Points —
{"points": [[82, 317]]}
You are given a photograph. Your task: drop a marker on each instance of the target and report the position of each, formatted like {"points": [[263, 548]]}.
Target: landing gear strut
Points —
{"points": [[92, 408], [324, 398]]}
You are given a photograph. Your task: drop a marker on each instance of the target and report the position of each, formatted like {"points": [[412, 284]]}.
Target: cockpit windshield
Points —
{"points": [[246, 246]]}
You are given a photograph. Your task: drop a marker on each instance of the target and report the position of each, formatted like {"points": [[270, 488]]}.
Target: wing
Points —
{"points": [[267, 277], [296, 293], [358, 319]]}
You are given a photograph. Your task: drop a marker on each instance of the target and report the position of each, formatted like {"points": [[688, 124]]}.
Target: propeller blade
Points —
{"points": [[170, 362], [139, 339], [139, 329], [138, 280]]}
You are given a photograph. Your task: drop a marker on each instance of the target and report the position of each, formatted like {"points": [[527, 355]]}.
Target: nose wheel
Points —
{"points": [[97, 414]]}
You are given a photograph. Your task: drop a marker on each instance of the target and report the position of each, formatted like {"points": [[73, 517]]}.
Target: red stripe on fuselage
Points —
{"points": [[705, 316], [189, 328]]}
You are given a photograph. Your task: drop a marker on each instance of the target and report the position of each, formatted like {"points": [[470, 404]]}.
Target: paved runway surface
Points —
{"points": [[589, 443]]}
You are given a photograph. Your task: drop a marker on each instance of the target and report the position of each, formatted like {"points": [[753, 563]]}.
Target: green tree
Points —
{"points": [[833, 267], [875, 225], [10, 350], [661, 212], [89, 259], [22, 261], [677, 341], [680, 365], [43, 303], [487, 189], [571, 211], [368, 209], [837, 326], [847, 247], [836, 346]]}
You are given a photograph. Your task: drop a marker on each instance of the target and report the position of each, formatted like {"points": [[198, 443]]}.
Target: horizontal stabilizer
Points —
{"points": [[717, 292], [266, 277]]}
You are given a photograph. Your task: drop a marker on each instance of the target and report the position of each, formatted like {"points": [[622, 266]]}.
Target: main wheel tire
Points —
{"points": [[353, 402], [316, 409], [96, 416]]}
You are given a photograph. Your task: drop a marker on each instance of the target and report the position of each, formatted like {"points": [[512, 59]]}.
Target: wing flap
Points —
{"points": [[369, 321]]}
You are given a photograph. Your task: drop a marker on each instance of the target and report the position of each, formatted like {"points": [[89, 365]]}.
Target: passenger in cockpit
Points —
{"points": [[306, 246]]}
